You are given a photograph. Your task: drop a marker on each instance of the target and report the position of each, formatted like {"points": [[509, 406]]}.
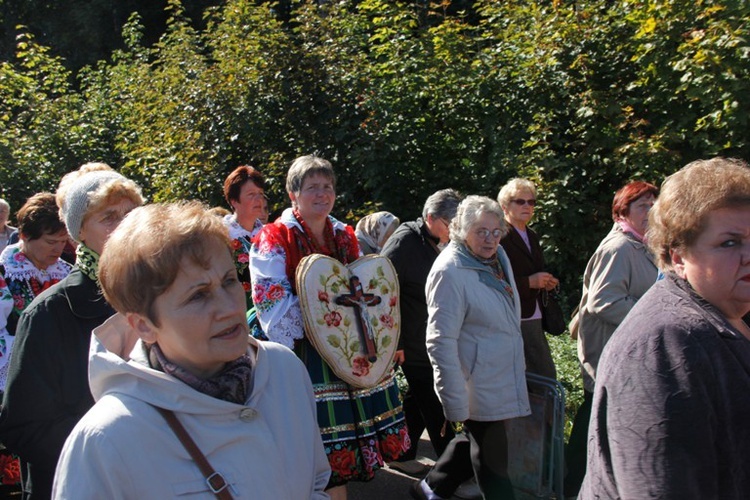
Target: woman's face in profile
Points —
{"points": [[201, 316], [99, 224], [717, 265], [638, 212]]}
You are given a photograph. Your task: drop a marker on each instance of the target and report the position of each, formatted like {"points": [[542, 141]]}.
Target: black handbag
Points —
{"points": [[553, 321]]}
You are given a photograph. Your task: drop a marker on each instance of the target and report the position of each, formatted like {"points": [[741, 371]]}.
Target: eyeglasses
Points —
{"points": [[485, 233], [521, 202]]}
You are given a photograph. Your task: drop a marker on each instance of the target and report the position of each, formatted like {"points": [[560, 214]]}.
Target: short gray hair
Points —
{"points": [[470, 209], [442, 204], [513, 187], [305, 166], [4, 204]]}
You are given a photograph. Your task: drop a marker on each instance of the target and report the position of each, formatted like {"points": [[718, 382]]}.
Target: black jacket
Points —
{"points": [[524, 264], [48, 390], [412, 250]]}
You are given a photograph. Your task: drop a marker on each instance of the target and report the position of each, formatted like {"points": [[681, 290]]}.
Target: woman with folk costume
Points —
{"points": [[361, 428], [244, 190], [26, 269], [30, 266]]}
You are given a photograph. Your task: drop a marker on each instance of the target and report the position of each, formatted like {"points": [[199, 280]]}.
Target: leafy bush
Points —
{"points": [[404, 97]]}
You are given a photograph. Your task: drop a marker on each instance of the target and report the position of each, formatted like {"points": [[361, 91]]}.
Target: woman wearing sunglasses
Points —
{"points": [[621, 270], [518, 199]]}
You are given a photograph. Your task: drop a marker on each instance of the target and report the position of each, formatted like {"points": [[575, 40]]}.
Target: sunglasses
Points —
{"points": [[522, 202]]}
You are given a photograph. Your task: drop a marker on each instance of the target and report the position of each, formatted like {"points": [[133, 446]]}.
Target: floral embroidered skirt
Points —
{"points": [[361, 428], [10, 474]]}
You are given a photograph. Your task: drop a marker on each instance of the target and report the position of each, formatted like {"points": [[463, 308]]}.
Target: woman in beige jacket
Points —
{"points": [[621, 270]]}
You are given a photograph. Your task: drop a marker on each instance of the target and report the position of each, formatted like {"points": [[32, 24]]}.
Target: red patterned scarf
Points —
{"points": [[341, 245]]}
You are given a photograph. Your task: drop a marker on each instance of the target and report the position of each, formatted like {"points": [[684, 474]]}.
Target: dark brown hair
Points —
{"points": [[239, 176], [39, 216]]}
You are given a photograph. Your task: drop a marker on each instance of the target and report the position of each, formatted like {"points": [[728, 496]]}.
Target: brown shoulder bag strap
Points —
{"points": [[214, 480]]}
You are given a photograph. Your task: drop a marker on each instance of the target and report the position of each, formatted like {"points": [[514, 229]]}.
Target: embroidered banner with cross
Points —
{"points": [[351, 315]]}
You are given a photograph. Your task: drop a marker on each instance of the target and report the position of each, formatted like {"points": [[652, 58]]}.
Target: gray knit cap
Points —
{"points": [[77, 198]]}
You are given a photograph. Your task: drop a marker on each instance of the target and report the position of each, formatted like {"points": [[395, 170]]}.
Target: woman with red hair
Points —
{"points": [[621, 270]]}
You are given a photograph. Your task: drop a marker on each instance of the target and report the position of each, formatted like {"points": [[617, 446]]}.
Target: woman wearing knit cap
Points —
{"points": [[47, 390]]}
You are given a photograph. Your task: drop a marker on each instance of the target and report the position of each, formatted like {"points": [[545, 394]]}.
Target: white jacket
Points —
{"points": [[269, 448], [474, 339]]}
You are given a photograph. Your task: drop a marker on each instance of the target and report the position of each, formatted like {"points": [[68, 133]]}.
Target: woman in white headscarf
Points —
{"points": [[374, 230]]}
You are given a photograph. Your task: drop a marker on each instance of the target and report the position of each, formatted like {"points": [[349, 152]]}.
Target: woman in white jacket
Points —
{"points": [[476, 349], [180, 342]]}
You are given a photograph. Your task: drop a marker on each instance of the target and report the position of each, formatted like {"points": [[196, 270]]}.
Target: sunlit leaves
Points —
{"points": [[403, 97]]}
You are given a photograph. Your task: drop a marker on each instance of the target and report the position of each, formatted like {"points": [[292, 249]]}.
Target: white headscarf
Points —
{"points": [[374, 229]]}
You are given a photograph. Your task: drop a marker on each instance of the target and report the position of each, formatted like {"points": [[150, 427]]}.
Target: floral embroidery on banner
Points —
{"points": [[345, 338]]}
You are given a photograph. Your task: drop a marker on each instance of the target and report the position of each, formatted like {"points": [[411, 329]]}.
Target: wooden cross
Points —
{"points": [[359, 301]]}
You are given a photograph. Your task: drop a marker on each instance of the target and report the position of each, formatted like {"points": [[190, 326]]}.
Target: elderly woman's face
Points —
{"points": [[484, 235], [316, 197], [638, 212], [717, 265], [520, 208], [99, 224], [249, 206], [201, 316]]}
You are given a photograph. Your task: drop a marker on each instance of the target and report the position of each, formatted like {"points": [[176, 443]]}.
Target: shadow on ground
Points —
{"points": [[390, 484]]}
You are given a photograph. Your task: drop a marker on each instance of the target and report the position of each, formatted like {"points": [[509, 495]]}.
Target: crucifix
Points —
{"points": [[359, 301]]}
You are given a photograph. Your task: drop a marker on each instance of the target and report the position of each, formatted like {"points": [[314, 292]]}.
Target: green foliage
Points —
{"points": [[563, 350], [42, 135], [403, 97]]}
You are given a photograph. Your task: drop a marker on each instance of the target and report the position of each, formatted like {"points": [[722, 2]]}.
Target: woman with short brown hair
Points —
{"points": [[179, 345]]}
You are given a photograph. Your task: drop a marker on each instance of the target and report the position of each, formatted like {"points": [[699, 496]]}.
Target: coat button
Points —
{"points": [[247, 414]]}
